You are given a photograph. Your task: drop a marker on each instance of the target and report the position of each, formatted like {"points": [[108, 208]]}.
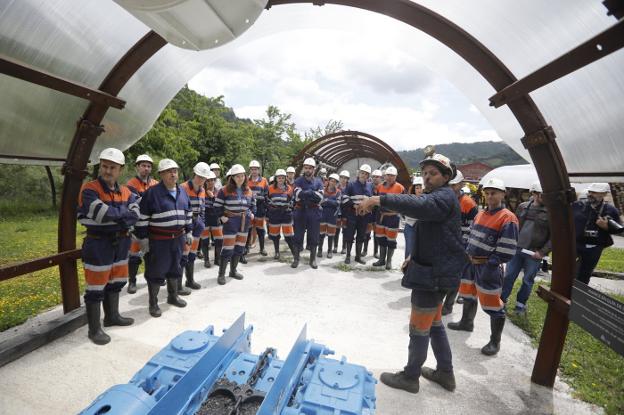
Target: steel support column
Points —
{"points": [[74, 169]]}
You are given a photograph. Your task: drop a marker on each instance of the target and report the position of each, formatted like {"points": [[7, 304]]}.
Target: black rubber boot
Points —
{"points": [[319, 253], [190, 277], [375, 248], [348, 251], [96, 334], [467, 319], [389, 254], [263, 252], [330, 245], [400, 380], [172, 292], [442, 378], [206, 250], [153, 289], [364, 251], [449, 300], [334, 248], [382, 257], [295, 252], [313, 256], [200, 250], [222, 267], [182, 290], [133, 269], [217, 255], [111, 311], [233, 266], [358, 253], [496, 325], [276, 249]]}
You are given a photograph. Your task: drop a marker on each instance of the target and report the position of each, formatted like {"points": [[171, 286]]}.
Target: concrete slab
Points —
{"points": [[360, 314]]}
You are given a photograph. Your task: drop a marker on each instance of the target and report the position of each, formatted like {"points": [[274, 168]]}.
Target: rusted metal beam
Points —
{"points": [[590, 51], [15, 270], [597, 174], [33, 75], [87, 131], [546, 156], [559, 302]]}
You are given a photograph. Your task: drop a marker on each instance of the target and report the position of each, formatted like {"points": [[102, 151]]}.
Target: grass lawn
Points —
{"points": [[612, 259], [590, 367]]}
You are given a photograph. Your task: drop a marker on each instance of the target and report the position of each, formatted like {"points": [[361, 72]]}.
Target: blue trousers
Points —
{"points": [[356, 225], [164, 259], [307, 220], [410, 239], [530, 266]]}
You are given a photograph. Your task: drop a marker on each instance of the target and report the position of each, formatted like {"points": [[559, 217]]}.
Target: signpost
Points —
{"points": [[599, 314]]}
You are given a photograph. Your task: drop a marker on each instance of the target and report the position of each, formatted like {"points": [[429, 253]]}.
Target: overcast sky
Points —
{"points": [[365, 78]]}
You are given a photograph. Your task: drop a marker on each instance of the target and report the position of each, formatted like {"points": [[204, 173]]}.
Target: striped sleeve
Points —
{"points": [[219, 203], [145, 211], [507, 242], [92, 206]]}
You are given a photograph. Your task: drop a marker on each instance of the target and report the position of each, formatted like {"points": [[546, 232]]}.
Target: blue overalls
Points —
{"points": [[356, 191], [307, 214], [279, 212], [238, 208], [198, 201], [165, 220]]}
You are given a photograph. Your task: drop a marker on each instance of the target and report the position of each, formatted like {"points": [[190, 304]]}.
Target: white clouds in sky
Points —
{"points": [[364, 78]]}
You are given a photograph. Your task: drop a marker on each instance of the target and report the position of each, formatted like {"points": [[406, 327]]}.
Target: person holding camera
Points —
{"points": [[431, 271], [595, 221]]}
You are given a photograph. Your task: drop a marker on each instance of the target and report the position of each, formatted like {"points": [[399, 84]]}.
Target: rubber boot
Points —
{"points": [[447, 308], [295, 252], [243, 258], [334, 248], [496, 325], [111, 311], [319, 253], [313, 256], [348, 251], [330, 246], [382, 257], [263, 252], [190, 277], [182, 290], [276, 249], [400, 380], [389, 254], [344, 247], [467, 319], [364, 251], [152, 289], [206, 250], [96, 334], [172, 292], [217, 255], [358, 253], [233, 266], [133, 269], [375, 248], [442, 378], [222, 266]]}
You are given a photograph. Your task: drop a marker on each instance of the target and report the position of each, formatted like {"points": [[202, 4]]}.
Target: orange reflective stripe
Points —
{"points": [[135, 247], [490, 301], [229, 241], [323, 228], [195, 244], [241, 239], [392, 233], [467, 289], [120, 271], [205, 233], [422, 321], [98, 277], [288, 230], [217, 232]]}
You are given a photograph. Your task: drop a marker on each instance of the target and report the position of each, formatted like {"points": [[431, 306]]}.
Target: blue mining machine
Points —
{"points": [[203, 374]]}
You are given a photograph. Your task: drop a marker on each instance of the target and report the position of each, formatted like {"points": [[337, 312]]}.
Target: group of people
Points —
{"points": [[452, 249]]}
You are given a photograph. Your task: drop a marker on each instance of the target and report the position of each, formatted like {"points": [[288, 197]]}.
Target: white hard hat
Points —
{"points": [[202, 169], [366, 168], [254, 163], [228, 173], [237, 169], [323, 170], [114, 155], [280, 172], [271, 179], [290, 169], [211, 175], [494, 183], [459, 177], [166, 164], [144, 157], [309, 162], [392, 171], [417, 180], [375, 173], [334, 176], [466, 190], [345, 173], [214, 166], [439, 160], [536, 187], [599, 188]]}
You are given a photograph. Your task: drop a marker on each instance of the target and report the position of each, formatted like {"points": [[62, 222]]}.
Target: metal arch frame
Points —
{"points": [[539, 140], [87, 131], [337, 148]]}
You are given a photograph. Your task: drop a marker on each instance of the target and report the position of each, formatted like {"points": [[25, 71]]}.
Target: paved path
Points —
{"points": [[360, 314]]}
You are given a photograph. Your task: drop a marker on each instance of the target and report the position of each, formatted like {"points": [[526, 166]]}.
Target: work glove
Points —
{"points": [[189, 238]]}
